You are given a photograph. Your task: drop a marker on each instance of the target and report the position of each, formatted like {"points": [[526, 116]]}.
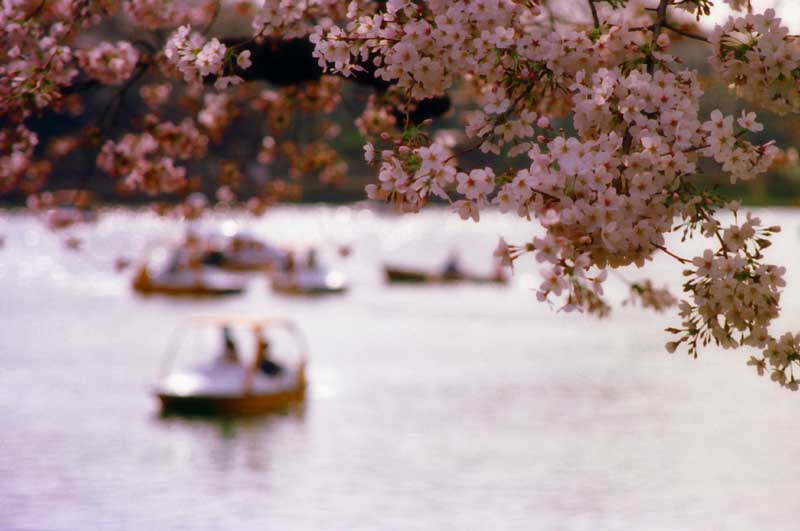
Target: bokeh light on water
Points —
{"points": [[467, 407]]}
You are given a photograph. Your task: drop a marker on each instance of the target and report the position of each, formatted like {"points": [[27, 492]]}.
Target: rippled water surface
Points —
{"points": [[471, 407]]}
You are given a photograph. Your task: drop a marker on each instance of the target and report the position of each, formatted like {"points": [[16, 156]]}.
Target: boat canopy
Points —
{"points": [[241, 321], [256, 324]]}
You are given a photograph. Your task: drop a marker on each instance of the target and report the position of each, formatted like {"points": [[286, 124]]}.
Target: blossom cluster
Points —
{"points": [[159, 14], [280, 18], [780, 357], [194, 58], [375, 119], [606, 197], [217, 113], [756, 55], [146, 161], [110, 63], [34, 67], [733, 295], [649, 296], [155, 94], [587, 124], [499, 42], [36, 62], [16, 152]]}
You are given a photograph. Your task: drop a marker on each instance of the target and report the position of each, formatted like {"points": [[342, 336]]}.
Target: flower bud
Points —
{"points": [[672, 346]]}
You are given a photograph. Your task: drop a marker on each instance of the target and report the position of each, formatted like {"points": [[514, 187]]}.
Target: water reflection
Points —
{"points": [[465, 407], [225, 443]]}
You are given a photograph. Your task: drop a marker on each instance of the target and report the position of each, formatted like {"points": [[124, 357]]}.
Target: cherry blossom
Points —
{"points": [[756, 55], [109, 63], [589, 127]]}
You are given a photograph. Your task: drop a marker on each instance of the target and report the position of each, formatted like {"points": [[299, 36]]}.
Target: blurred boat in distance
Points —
{"points": [[185, 275], [307, 278], [306, 281], [242, 252], [450, 273], [61, 217], [232, 384]]}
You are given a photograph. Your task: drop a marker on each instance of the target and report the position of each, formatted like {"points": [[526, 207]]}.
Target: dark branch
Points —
{"points": [[595, 18], [280, 62], [290, 62], [685, 33]]}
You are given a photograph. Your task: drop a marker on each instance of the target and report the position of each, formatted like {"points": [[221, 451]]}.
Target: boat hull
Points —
{"points": [[187, 291], [409, 276], [145, 285], [251, 404], [412, 277], [308, 282], [293, 289]]}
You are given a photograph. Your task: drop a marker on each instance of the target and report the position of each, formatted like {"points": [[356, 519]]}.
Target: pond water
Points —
{"points": [[466, 407]]}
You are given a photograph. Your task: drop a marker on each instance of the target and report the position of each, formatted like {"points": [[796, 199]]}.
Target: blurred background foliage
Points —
{"points": [[119, 113]]}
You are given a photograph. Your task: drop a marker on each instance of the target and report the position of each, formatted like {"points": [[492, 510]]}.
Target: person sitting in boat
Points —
{"points": [[264, 361], [214, 258], [193, 242], [451, 268], [174, 264], [195, 261], [311, 260], [229, 352], [238, 244], [289, 264]]}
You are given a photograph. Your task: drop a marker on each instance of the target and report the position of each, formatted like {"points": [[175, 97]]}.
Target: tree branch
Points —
{"points": [[291, 62], [679, 31], [595, 18], [673, 255], [661, 18]]}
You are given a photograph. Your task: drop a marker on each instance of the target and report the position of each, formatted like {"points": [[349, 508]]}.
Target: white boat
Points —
{"points": [[183, 277], [241, 386], [309, 281], [242, 252]]}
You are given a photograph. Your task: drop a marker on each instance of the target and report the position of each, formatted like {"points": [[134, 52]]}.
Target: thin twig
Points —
{"points": [[679, 31], [595, 18], [673, 255], [661, 18], [213, 18]]}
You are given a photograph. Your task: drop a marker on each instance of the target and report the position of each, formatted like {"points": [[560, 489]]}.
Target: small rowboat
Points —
{"points": [[415, 276], [218, 390], [186, 282], [309, 281], [233, 387], [185, 275], [396, 274]]}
